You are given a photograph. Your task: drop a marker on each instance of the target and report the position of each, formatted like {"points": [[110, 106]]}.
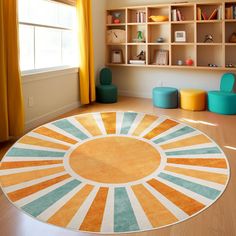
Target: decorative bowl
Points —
{"points": [[159, 18]]}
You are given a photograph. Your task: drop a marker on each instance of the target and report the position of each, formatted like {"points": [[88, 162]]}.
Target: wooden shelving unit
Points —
{"points": [[220, 53]]}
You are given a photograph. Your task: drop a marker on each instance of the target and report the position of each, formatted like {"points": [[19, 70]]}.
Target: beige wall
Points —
{"points": [[140, 81], [48, 95]]}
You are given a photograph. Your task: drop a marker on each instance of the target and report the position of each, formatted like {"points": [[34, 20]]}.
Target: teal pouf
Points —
{"points": [[106, 92], [165, 97], [223, 101]]}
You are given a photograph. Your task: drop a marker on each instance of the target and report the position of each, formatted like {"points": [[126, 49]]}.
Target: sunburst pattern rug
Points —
{"points": [[114, 172]]}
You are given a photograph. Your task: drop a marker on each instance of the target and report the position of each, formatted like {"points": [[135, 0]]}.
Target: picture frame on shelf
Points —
{"points": [[180, 36], [161, 57], [116, 57]]}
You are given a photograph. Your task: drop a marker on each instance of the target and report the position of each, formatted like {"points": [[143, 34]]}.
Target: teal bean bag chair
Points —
{"points": [[106, 92], [223, 101]]}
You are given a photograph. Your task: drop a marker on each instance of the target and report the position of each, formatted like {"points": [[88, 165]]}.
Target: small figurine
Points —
{"points": [[160, 40], [232, 38], [208, 38], [141, 55], [140, 35], [116, 16]]}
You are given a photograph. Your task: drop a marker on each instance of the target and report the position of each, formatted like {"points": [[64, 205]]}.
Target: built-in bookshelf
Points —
{"points": [[190, 35]]}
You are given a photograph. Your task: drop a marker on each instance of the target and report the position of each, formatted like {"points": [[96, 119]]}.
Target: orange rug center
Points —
{"points": [[115, 160]]}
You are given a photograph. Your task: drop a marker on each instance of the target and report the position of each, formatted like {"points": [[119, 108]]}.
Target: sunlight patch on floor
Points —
{"points": [[198, 122]]}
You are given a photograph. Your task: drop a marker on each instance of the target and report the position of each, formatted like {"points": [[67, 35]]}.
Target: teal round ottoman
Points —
{"points": [[222, 102], [165, 97]]}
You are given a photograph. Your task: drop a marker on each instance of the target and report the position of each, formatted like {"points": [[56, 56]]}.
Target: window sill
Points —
{"points": [[31, 76]]}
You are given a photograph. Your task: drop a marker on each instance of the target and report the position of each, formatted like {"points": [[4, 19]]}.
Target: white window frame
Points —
{"points": [[48, 69]]}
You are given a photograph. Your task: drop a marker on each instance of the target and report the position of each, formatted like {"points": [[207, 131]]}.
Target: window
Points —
{"points": [[48, 35]]}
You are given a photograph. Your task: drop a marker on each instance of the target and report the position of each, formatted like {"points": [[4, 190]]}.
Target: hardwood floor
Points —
{"points": [[218, 220]]}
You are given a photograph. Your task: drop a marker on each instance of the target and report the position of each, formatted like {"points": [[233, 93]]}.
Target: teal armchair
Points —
{"points": [[106, 92], [223, 101]]}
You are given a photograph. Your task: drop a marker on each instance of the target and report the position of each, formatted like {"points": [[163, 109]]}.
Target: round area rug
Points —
{"points": [[114, 172]]}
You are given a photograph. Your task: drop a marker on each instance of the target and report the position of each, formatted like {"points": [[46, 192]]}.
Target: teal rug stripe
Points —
{"points": [[124, 218], [178, 133], [127, 122], [39, 205], [205, 191], [21, 152], [212, 150], [70, 128]]}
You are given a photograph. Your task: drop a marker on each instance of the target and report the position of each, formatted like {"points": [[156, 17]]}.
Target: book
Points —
{"points": [[199, 13], [213, 15], [174, 15], [219, 13], [204, 16], [137, 62], [179, 16], [234, 12]]}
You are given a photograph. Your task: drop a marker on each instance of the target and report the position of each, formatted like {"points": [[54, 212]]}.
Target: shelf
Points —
{"points": [[116, 25], [230, 44], [230, 52], [136, 23], [136, 44], [159, 23], [214, 56], [188, 28], [230, 28], [158, 44], [214, 30], [182, 44], [220, 52], [116, 44], [208, 21], [209, 44], [183, 22], [182, 52], [157, 31], [231, 21]]}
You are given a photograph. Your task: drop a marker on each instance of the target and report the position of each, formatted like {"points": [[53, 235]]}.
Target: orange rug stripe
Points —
{"points": [[157, 214], [64, 215], [12, 179], [213, 177], [144, 124], [24, 192], [90, 124], [21, 164], [206, 162], [198, 139], [187, 204], [109, 120], [93, 219], [53, 134], [42, 143], [164, 126]]}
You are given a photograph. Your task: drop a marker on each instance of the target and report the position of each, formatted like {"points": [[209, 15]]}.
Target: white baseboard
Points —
{"points": [[127, 93], [31, 124]]}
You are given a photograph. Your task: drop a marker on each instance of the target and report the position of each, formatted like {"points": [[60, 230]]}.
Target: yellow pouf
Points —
{"points": [[193, 99]]}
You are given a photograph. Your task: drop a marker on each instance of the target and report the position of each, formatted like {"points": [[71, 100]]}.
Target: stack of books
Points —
{"points": [[216, 14], [176, 15], [230, 12], [141, 17]]}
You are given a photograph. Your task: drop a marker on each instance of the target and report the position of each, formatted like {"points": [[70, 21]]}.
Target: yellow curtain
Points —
{"points": [[11, 100], [87, 80]]}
